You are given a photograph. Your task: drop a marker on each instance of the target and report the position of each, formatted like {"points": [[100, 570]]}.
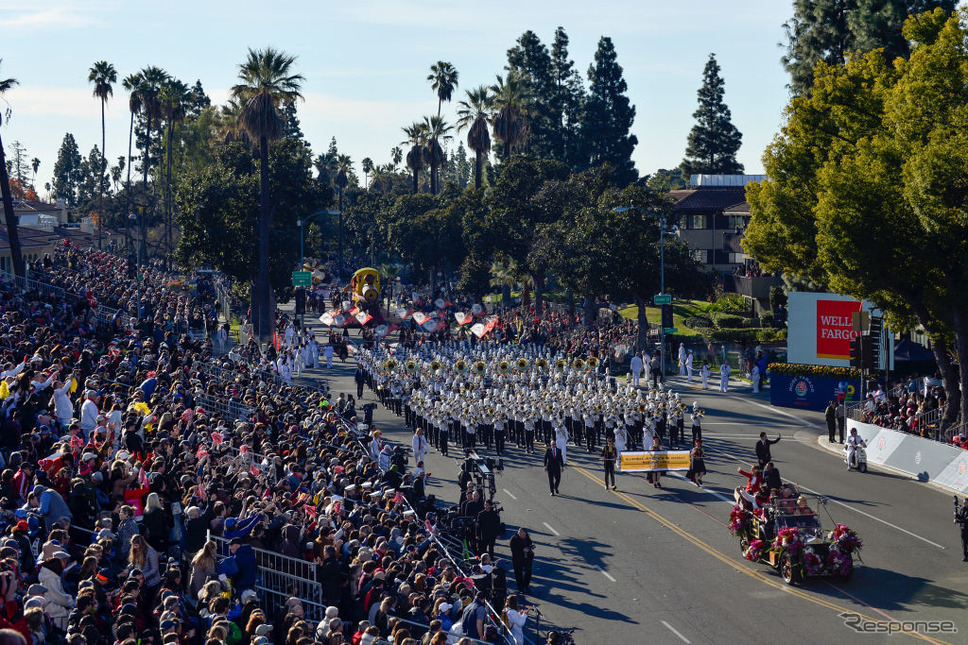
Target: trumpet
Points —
{"points": [[592, 363], [699, 412], [522, 363]]}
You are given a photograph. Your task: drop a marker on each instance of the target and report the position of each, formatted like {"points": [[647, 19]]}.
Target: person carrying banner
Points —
{"points": [[609, 455]]}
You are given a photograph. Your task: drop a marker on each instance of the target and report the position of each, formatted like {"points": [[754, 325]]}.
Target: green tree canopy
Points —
{"points": [[714, 140]]}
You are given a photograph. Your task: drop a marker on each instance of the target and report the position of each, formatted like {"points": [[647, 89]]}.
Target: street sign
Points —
{"points": [[302, 278], [671, 330], [662, 299]]}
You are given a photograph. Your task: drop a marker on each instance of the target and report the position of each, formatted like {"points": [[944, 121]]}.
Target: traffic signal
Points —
{"points": [[868, 357], [877, 325], [856, 355], [667, 317]]}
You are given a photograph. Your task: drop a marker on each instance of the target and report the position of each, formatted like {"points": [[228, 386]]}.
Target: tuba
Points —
{"points": [[411, 366], [480, 368], [461, 366], [578, 364], [503, 367], [522, 364], [389, 365], [592, 363]]}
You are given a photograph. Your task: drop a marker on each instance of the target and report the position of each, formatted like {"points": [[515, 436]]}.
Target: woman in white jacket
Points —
{"points": [[59, 603]]}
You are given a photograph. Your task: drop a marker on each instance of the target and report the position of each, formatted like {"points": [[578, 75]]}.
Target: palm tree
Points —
{"points": [[510, 98], [16, 257], [344, 166], [443, 81], [172, 103], [435, 129], [267, 84], [132, 84], [473, 114], [396, 156], [102, 74], [152, 80], [35, 166], [415, 158], [367, 169]]}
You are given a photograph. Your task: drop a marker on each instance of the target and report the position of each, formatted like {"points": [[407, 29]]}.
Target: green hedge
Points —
{"points": [[698, 322], [728, 321], [734, 335]]}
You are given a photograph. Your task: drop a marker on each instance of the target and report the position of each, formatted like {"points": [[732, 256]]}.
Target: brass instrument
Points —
{"points": [[578, 364], [435, 365], [560, 364], [389, 365], [461, 366], [411, 366], [522, 363], [541, 364], [503, 367], [592, 363], [480, 368]]}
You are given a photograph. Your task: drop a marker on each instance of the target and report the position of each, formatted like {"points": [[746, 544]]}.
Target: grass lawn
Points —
{"points": [[681, 309]]}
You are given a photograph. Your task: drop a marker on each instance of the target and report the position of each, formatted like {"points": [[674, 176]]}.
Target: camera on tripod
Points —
{"points": [[482, 470]]}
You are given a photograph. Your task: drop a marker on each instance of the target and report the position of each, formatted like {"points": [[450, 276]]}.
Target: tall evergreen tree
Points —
{"points": [[195, 101], [714, 141], [608, 116], [567, 101], [827, 30], [530, 63], [67, 171], [290, 121]]}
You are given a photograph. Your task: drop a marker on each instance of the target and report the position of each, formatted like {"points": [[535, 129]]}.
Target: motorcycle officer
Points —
{"points": [[853, 442]]}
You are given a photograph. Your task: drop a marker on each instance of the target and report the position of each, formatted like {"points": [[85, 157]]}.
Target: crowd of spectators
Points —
{"points": [[143, 482], [906, 405]]}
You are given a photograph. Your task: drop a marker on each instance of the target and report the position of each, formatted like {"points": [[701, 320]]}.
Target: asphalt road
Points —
{"points": [[659, 566]]}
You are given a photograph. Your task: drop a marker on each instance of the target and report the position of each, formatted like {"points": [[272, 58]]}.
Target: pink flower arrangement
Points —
{"points": [[739, 521], [846, 539], [788, 539], [812, 564], [754, 551], [839, 562]]}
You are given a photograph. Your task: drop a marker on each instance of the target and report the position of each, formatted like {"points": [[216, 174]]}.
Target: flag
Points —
{"points": [[339, 320], [355, 310], [420, 317], [463, 318], [478, 330], [430, 326], [216, 438], [477, 310], [362, 317], [201, 453], [244, 449], [326, 319], [404, 313], [255, 471]]}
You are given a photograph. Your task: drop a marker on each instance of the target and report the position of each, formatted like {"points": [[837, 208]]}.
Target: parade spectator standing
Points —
{"points": [[830, 415], [488, 528], [961, 517], [522, 558]]}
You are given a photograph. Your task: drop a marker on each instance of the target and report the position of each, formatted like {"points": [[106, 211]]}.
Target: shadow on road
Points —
{"points": [[890, 590]]}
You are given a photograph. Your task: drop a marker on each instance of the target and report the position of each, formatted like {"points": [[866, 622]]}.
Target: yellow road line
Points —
{"points": [[752, 573]]}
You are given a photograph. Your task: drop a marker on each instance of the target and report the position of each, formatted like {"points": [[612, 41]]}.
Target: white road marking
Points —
{"points": [[877, 519], [675, 631], [729, 501], [551, 528], [508, 493], [770, 408], [605, 573], [855, 509]]}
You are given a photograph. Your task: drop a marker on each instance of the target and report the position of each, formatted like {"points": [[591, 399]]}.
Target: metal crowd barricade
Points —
{"points": [[228, 409]]}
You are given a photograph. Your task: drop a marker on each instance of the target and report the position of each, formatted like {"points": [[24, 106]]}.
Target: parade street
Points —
{"points": [[642, 563]]}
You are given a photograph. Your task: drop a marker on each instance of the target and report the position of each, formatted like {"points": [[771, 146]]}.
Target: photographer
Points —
{"points": [[961, 518]]}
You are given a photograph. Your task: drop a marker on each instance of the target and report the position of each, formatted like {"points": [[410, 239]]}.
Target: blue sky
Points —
{"points": [[366, 62]]}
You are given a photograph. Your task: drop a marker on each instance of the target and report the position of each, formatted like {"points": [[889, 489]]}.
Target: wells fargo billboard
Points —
{"points": [[821, 327]]}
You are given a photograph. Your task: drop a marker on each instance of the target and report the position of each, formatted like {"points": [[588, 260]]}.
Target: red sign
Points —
{"points": [[835, 327]]}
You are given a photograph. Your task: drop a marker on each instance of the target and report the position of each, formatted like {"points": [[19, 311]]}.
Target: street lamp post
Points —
{"points": [[137, 268], [662, 235]]}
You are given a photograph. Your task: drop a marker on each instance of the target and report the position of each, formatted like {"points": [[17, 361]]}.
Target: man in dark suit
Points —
{"points": [[553, 463], [763, 449]]}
